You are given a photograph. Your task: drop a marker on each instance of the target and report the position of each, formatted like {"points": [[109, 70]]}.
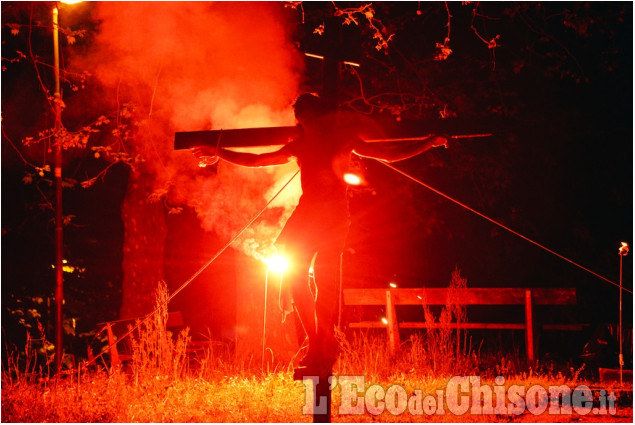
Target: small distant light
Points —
{"points": [[419, 296], [355, 64], [313, 55], [392, 284], [623, 249], [277, 263], [352, 179], [384, 320], [64, 261]]}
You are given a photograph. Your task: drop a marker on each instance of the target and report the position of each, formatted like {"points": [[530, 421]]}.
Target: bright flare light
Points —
{"points": [[277, 263], [384, 320], [392, 284], [352, 179]]}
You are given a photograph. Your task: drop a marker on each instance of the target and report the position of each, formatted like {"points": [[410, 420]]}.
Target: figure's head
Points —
{"points": [[309, 106]]}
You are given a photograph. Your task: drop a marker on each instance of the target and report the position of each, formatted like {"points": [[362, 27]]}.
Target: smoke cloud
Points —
{"points": [[197, 66]]}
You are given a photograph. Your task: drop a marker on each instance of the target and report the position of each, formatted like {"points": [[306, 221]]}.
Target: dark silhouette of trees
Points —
{"points": [[551, 81]]}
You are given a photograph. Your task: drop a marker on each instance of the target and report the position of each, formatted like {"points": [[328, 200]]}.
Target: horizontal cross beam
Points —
{"points": [[276, 136], [243, 137]]}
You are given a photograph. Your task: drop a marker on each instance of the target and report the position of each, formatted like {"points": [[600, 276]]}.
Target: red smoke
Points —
{"points": [[198, 66]]}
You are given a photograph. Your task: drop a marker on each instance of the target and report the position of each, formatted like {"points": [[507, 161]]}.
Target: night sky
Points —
{"points": [[555, 90]]}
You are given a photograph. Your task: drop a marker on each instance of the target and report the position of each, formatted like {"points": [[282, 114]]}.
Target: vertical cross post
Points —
{"points": [[320, 385], [333, 51], [317, 387], [331, 65]]}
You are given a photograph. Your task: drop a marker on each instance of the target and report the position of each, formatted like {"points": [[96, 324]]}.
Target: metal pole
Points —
{"points": [[621, 357], [264, 322], [622, 252], [59, 279]]}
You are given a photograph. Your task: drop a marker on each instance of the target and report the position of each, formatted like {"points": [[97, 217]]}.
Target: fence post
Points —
{"points": [[112, 344], [393, 326], [529, 325]]}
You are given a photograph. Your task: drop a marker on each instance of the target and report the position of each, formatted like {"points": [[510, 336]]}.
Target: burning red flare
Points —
{"points": [[352, 179], [277, 263]]}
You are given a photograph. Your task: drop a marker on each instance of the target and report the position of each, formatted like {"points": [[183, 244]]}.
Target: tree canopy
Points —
{"points": [[553, 81]]}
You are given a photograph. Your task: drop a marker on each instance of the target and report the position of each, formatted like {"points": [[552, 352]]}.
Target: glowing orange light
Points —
{"points": [[67, 268], [392, 284], [384, 320], [277, 263], [352, 179], [71, 1], [313, 55]]}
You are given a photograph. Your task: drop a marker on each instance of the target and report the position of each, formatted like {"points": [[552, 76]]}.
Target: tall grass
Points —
{"points": [[31, 364], [165, 382], [437, 351], [444, 347], [155, 352]]}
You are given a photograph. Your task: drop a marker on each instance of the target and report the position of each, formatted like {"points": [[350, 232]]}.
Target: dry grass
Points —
{"points": [[102, 397], [155, 352], [162, 384]]}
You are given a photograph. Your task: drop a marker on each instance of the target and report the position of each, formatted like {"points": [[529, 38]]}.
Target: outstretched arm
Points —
{"points": [[400, 152], [278, 157]]}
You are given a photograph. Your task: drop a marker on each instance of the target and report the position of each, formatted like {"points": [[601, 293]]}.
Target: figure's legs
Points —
{"points": [[310, 229], [304, 304], [297, 277], [327, 276]]}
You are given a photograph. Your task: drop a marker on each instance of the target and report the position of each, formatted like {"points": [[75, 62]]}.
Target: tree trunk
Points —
{"points": [[144, 245]]}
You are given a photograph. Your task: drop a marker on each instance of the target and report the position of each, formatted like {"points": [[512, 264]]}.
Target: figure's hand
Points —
{"points": [[206, 154], [202, 151]]}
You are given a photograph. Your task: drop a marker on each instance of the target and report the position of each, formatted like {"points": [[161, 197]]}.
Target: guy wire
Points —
{"points": [[199, 271], [491, 220]]}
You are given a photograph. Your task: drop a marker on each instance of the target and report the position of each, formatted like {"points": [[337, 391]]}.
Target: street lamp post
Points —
{"points": [[59, 255], [623, 251]]}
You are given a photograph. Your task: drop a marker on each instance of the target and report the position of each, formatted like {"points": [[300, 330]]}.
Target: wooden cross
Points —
{"points": [[391, 131]]}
